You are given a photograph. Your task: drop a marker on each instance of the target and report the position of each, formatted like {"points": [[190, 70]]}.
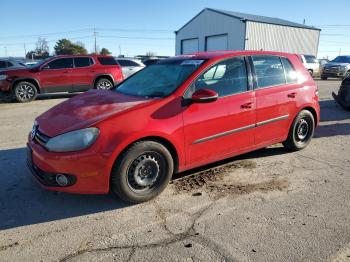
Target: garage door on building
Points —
{"points": [[216, 42], [189, 46]]}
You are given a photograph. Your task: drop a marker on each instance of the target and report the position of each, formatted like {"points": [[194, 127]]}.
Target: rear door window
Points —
{"points": [[81, 61], [3, 64], [61, 63], [107, 61], [269, 71]]}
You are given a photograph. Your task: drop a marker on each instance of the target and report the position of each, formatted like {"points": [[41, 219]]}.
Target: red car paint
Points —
{"points": [[188, 129], [74, 79]]}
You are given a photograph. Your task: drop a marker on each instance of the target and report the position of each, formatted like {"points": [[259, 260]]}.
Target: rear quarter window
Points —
{"points": [[291, 75], [107, 61]]}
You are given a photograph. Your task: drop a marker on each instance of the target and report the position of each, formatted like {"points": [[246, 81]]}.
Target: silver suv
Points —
{"points": [[339, 68]]}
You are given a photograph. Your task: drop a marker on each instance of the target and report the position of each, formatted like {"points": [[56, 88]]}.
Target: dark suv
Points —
{"points": [[68, 73]]}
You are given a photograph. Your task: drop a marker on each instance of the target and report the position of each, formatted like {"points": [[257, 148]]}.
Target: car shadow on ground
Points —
{"points": [[5, 99], [24, 202]]}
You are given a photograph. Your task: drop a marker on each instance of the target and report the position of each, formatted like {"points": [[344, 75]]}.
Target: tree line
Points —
{"points": [[63, 47]]}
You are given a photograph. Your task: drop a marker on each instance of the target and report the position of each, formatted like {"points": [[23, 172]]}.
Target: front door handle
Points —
{"points": [[65, 72], [292, 95], [247, 105]]}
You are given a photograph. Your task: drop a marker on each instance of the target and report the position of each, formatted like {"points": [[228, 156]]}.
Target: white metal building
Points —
{"points": [[214, 29]]}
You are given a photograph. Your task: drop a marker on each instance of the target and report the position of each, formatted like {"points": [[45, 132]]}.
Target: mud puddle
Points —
{"points": [[213, 181]]}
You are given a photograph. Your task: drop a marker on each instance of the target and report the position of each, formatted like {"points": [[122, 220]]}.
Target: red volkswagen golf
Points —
{"points": [[180, 113]]}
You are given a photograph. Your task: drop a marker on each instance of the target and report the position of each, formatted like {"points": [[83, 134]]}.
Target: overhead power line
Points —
{"points": [[84, 30]]}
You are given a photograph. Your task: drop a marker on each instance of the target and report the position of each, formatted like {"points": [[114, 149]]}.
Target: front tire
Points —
{"points": [[301, 131], [103, 84], [142, 172], [324, 77], [25, 92]]}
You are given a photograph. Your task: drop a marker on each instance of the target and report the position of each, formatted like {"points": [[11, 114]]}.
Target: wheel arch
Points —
{"points": [[161, 140], [100, 76], [313, 112], [34, 81]]}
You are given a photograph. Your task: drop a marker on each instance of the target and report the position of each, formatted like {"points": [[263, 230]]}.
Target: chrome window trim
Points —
{"points": [[239, 129]]}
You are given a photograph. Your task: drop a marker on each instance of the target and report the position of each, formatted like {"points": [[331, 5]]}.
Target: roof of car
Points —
{"points": [[228, 53]]}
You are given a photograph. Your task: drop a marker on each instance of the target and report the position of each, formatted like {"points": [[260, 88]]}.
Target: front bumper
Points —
{"points": [[86, 167]]}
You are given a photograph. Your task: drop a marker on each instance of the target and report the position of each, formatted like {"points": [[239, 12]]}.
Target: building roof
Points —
{"points": [[255, 18]]}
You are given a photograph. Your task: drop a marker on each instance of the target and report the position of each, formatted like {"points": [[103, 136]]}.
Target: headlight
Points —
{"points": [[3, 77], [73, 141], [343, 68]]}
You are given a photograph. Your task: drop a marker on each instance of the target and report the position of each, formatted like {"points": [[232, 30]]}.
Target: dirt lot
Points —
{"points": [[268, 205]]}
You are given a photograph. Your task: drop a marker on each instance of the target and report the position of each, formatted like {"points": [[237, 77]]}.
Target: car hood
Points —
{"points": [[85, 110], [330, 64], [17, 71]]}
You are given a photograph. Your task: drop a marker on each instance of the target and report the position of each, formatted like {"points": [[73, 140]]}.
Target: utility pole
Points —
{"points": [[120, 51], [25, 51], [339, 51], [95, 34], [5, 51]]}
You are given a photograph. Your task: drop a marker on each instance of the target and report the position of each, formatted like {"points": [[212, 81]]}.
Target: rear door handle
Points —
{"points": [[247, 105], [292, 95]]}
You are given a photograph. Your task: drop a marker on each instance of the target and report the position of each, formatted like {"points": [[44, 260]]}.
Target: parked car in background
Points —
{"points": [[31, 63], [338, 67], [178, 114], [129, 65], [311, 64], [343, 96], [7, 64], [61, 74]]}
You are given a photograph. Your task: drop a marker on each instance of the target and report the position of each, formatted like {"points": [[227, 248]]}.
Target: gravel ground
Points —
{"points": [[268, 205]]}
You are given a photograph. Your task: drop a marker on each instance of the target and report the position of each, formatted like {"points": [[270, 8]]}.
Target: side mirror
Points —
{"points": [[204, 96]]}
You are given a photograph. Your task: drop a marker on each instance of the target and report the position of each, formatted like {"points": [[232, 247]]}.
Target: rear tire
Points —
{"points": [[301, 131], [324, 77], [24, 92], [142, 172], [103, 84]]}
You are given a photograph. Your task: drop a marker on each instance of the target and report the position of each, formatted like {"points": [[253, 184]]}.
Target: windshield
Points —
{"points": [[161, 79], [342, 59], [39, 63]]}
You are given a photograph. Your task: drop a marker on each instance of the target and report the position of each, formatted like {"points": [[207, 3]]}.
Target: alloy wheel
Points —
{"points": [[25, 92]]}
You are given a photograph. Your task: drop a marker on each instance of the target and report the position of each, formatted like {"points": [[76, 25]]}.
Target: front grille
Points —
{"points": [[41, 138], [333, 69]]}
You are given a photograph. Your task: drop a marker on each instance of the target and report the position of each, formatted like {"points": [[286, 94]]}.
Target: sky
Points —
{"points": [[135, 27]]}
